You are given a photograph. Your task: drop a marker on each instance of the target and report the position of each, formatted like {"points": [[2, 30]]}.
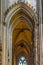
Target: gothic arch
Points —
{"points": [[19, 14], [19, 8]]}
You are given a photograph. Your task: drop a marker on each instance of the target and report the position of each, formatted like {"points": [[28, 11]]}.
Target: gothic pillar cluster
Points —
{"points": [[42, 48], [39, 45]]}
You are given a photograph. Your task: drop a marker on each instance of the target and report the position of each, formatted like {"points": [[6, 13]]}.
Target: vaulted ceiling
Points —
{"points": [[23, 28]]}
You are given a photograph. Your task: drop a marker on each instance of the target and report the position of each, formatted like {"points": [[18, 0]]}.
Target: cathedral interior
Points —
{"points": [[21, 32]]}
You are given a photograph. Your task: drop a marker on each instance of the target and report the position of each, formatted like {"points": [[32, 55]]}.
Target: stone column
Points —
{"points": [[35, 44], [10, 46], [5, 45], [39, 45]]}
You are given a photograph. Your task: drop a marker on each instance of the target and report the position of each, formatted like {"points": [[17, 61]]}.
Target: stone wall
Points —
{"points": [[42, 36], [42, 47], [0, 37]]}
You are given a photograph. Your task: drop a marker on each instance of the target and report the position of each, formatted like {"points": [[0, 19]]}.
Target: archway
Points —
{"points": [[21, 22]]}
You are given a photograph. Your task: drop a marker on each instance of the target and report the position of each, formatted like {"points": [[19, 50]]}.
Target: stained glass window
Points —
{"points": [[22, 61]]}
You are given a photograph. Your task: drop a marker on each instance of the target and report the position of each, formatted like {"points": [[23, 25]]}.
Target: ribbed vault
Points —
{"points": [[22, 36]]}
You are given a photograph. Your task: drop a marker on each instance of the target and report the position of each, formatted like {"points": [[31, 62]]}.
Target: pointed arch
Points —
{"points": [[21, 8], [17, 14]]}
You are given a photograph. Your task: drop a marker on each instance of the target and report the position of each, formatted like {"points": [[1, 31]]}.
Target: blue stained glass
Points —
{"points": [[22, 61]]}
